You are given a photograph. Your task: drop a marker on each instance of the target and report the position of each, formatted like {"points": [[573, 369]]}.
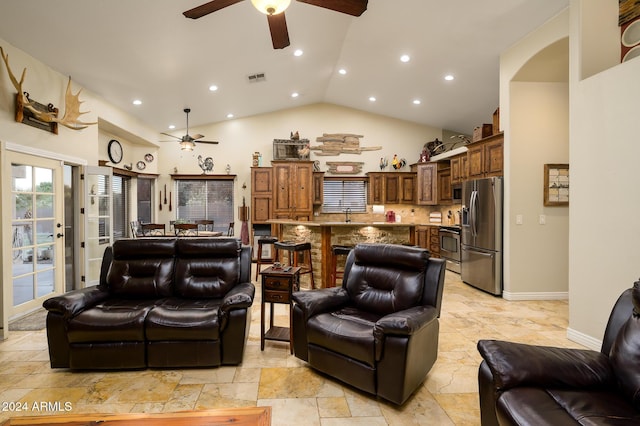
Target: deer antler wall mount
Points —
{"points": [[42, 116]]}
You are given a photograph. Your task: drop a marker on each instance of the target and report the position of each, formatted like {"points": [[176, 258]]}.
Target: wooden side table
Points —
{"points": [[277, 286]]}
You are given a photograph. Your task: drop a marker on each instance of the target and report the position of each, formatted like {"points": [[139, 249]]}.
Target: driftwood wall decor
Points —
{"points": [[46, 117], [344, 167], [341, 143]]}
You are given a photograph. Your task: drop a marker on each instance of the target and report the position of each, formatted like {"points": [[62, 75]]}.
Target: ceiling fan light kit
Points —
{"points": [[271, 7], [187, 145]]}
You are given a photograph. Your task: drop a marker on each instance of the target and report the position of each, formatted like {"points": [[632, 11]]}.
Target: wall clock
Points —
{"points": [[114, 149]]}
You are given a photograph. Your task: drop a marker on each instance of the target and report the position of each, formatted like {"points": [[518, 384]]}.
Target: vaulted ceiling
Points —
{"points": [[124, 50]]}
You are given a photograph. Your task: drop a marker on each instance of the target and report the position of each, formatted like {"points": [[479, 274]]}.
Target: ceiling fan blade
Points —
{"points": [[279, 32], [167, 134], [211, 142], [207, 8], [197, 136], [350, 7]]}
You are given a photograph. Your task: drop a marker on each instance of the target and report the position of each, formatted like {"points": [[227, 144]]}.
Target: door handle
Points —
{"points": [[59, 235]]}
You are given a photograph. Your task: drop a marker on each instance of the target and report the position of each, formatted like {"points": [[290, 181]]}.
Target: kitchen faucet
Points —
{"points": [[347, 219]]}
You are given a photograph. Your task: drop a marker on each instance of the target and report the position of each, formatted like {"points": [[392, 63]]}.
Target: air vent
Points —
{"points": [[256, 78]]}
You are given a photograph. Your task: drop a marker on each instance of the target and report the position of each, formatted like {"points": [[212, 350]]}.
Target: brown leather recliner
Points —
{"points": [[537, 385], [160, 303], [379, 331]]}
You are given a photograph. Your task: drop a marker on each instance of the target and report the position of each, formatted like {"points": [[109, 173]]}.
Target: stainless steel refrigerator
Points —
{"points": [[481, 264]]}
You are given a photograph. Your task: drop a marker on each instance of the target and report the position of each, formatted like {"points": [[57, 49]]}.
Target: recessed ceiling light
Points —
{"points": [[417, 101], [298, 52], [137, 102], [372, 98], [405, 58], [295, 94], [213, 88], [342, 71], [229, 115], [172, 126], [449, 77]]}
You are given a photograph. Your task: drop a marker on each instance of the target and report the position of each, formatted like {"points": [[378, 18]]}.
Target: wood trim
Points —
{"points": [[203, 177], [125, 172], [352, 178]]}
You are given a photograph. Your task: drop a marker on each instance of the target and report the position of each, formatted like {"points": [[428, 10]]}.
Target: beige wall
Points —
{"points": [[539, 254], [534, 117], [604, 250]]}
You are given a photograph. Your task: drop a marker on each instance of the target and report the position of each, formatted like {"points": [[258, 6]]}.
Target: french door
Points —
{"points": [[36, 234]]}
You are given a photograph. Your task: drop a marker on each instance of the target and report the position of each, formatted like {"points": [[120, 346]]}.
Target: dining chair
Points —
{"points": [[135, 228], [205, 223], [230, 231], [185, 229], [153, 229]]}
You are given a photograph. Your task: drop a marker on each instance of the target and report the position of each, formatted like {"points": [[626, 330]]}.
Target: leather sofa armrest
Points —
{"points": [[406, 322], [239, 297], [516, 364], [321, 300], [72, 303]]}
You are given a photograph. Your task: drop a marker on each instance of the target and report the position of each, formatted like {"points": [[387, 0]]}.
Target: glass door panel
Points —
{"points": [[98, 229]]}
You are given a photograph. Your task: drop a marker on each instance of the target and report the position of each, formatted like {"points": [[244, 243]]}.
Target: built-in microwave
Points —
{"points": [[456, 192]]}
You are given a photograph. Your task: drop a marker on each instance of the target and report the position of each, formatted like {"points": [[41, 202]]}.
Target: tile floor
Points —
{"points": [[273, 377]]}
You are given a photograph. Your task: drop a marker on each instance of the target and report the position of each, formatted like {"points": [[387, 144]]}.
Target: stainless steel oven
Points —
{"points": [[450, 247]]}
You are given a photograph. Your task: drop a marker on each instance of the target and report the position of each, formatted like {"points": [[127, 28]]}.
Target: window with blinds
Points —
{"points": [[120, 196], [340, 194], [205, 199], [145, 189]]}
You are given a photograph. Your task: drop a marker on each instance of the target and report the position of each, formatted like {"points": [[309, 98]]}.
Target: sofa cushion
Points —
{"points": [[348, 331], [110, 322], [185, 322], [625, 353], [386, 278], [142, 268], [207, 268], [536, 406]]}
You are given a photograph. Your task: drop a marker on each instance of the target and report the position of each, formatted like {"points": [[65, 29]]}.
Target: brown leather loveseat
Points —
{"points": [[379, 331], [160, 303], [537, 385]]}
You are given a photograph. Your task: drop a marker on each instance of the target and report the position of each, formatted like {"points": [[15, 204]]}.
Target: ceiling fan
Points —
{"points": [[187, 142], [274, 9]]}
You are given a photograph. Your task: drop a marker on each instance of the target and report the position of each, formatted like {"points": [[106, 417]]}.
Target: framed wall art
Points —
{"points": [[556, 184]]}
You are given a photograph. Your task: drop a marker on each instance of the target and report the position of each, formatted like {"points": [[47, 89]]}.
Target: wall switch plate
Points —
{"points": [[518, 219], [542, 219]]}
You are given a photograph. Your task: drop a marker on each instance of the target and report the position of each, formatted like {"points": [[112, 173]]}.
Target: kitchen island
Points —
{"points": [[322, 235]]}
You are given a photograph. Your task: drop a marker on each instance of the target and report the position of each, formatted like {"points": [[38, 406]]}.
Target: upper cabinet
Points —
{"points": [[391, 187], [293, 190], [261, 194], [426, 183], [486, 157]]}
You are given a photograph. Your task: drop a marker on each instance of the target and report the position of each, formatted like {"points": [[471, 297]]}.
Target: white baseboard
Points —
{"points": [[560, 295], [583, 339]]}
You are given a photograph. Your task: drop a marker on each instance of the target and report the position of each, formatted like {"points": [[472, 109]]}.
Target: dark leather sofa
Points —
{"points": [[535, 385], [160, 303], [379, 331]]}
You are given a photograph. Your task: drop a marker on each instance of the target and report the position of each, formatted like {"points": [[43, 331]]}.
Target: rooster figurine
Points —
{"points": [[383, 163], [398, 163]]}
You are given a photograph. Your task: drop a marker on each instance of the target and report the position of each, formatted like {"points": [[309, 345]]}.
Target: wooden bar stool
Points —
{"points": [[296, 249], [267, 239], [338, 250]]}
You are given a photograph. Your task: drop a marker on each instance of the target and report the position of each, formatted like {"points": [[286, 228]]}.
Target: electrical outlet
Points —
{"points": [[518, 219], [542, 219]]}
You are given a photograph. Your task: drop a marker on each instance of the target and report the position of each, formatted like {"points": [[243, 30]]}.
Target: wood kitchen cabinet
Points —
{"points": [[486, 157], [292, 190], [445, 194], [318, 188], [426, 183], [261, 194], [391, 187], [422, 236], [459, 168], [428, 237]]}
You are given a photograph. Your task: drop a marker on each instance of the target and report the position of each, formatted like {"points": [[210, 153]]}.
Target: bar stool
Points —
{"points": [[295, 249], [267, 239], [338, 250]]}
